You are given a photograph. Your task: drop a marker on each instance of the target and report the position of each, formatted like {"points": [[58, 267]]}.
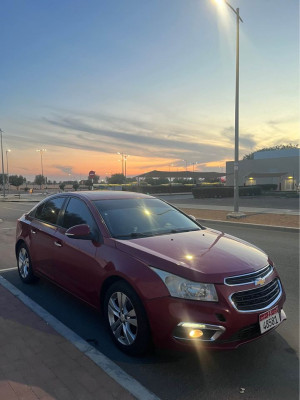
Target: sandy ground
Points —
{"points": [[250, 218]]}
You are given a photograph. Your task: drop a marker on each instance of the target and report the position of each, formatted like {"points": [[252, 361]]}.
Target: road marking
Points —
{"points": [[17, 209], [2, 229], [8, 269], [112, 369]]}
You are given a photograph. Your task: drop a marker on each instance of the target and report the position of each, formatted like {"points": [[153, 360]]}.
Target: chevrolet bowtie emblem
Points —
{"points": [[259, 281]]}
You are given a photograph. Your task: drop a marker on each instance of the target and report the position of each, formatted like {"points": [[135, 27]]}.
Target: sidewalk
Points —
{"points": [[36, 363], [267, 217]]}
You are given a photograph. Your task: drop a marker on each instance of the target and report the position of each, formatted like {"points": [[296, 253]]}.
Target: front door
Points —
{"points": [[76, 267]]}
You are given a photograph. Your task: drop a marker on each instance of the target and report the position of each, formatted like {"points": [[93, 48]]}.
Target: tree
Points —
{"points": [[39, 180], [250, 156], [75, 186], [116, 179], [62, 186], [16, 180]]}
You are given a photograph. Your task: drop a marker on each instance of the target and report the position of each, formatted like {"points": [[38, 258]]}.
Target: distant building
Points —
{"points": [[196, 176], [280, 167]]}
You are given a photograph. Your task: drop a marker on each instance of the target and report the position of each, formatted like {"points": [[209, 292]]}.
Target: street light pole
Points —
{"points": [[41, 152], [122, 154], [236, 134], [3, 180], [236, 141], [125, 160], [7, 151]]}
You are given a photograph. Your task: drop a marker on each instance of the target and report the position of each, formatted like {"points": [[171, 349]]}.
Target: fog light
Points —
{"points": [[196, 333]]}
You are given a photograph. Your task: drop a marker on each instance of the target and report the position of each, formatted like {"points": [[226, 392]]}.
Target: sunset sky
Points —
{"points": [[86, 79]]}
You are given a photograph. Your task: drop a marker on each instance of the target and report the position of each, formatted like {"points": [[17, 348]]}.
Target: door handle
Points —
{"points": [[58, 244], [33, 231]]}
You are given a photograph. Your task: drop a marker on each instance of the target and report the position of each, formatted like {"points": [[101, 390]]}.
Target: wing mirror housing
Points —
{"points": [[80, 232]]}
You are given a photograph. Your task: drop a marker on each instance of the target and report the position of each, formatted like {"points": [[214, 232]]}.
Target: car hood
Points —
{"points": [[206, 255]]}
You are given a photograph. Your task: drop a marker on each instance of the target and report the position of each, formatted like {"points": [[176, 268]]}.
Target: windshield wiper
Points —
{"points": [[133, 235], [184, 230]]}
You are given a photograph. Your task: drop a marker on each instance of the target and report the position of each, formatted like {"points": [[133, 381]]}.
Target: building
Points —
{"points": [[196, 176], [280, 167]]}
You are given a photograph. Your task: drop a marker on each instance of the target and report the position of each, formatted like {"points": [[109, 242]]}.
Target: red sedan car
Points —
{"points": [[157, 275]]}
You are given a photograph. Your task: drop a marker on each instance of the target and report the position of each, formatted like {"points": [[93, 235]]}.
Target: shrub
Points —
{"points": [[158, 189], [267, 187], [226, 191]]}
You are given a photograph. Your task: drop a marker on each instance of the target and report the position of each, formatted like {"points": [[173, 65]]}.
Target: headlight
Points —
{"points": [[180, 287]]}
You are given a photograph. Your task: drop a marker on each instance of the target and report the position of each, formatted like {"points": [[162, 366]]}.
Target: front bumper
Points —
{"points": [[222, 325]]}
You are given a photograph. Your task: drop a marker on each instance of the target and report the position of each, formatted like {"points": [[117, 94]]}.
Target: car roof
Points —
{"points": [[109, 195]]}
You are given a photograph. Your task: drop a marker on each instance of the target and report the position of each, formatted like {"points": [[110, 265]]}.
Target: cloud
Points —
{"points": [[247, 140], [147, 141], [67, 169], [283, 120]]}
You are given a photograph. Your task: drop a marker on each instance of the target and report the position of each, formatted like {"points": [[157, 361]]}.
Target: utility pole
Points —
{"points": [[3, 180], [7, 151]]}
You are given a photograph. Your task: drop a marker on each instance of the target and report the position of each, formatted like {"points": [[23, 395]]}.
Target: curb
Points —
{"points": [[20, 201], [258, 226], [108, 366]]}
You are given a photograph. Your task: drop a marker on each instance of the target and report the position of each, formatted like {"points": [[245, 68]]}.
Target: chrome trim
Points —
{"points": [[251, 273], [259, 309], [218, 328]]}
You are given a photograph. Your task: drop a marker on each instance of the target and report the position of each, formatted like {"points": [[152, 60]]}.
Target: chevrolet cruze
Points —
{"points": [[158, 276]]}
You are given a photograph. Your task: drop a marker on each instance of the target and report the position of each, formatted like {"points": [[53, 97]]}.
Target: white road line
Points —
{"points": [[7, 269], [112, 369], [2, 229], [12, 208]]}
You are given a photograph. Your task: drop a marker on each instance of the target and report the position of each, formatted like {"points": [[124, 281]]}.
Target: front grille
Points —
{"points": [[257, 299], [249, 278]]}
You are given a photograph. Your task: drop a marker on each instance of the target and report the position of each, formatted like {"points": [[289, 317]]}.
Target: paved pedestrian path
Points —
{"points": [[37, 363]]}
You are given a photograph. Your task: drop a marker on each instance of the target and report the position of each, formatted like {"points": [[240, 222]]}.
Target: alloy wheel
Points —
{"points": [[122, 318], [23, 263]]}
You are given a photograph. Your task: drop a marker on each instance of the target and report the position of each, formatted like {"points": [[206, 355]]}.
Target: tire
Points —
{"points": [[126, 319], [24, 265]]}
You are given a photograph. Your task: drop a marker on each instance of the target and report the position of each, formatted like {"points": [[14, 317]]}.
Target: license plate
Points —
{"points": [[269, 320]]}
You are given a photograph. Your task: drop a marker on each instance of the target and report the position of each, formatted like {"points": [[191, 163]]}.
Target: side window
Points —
{"points": [[48, 211], [77, 213]]}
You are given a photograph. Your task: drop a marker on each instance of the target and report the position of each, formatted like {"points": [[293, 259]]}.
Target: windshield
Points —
{"points": [[136, 218]]}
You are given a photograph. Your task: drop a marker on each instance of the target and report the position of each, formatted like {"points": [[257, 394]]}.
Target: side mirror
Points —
{"points": [[193, 217], [79, 232]]}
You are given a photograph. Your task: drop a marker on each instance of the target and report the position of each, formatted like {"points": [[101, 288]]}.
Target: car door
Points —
{"points": [[76, 267], [42, 235]]}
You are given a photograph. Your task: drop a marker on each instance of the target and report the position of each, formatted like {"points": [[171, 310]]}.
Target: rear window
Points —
{"points": [[134, 218], [49, 211]]}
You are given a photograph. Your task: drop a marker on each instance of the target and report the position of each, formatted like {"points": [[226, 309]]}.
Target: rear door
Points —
{"points": [[42, 235]]}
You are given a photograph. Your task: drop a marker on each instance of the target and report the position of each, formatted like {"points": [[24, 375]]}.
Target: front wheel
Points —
{"points": [[126, 319], [24, 265]]}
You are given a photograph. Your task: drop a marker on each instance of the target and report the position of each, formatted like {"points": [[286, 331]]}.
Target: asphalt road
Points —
{"points": [[267, 368]]}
